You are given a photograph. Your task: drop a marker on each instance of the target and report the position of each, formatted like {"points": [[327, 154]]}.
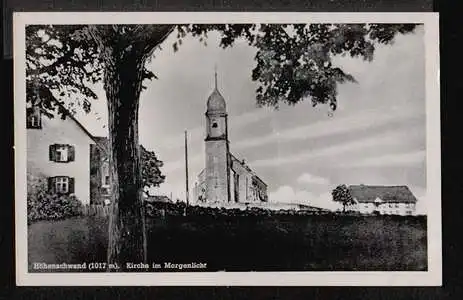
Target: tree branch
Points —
{"points": [[53, 66], [154, 35]]}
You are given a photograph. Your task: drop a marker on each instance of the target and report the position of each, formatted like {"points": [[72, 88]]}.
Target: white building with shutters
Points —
{"points": [[59, 151], [384, 200]]}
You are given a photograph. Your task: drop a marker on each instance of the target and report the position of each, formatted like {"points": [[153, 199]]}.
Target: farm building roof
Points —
{"points": [[369, 193]]}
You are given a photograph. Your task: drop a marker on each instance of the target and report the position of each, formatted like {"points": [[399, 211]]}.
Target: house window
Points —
{"points": [[33, 118], [61, 153], [61, 184], [34, 121]]}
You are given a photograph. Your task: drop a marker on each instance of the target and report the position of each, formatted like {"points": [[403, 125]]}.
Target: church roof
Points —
{"points": [[244, 165], [216, 102]]}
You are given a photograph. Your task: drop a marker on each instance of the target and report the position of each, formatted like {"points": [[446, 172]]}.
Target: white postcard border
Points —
{"points": [[432, 277]]}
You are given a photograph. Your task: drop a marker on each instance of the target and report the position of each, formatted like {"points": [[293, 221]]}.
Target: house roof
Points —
{"points": [[394, 194], [103, 142], [68, 114]]}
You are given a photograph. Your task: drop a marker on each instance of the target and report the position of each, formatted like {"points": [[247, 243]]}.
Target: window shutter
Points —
{"points": [[71, 153], [52, 152], [51, 184], [71, 185]]}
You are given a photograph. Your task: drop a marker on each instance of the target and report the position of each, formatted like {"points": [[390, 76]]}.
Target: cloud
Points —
{"points": [[421, 195], [388, 160], [175, 165], [358, 121], [325, 201], [391, 138], [286, 194], [312, 179], [422, 205], [197, 134]]}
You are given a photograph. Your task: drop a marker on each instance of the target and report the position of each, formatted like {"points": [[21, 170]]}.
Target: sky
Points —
{"points": [[377, 135]]}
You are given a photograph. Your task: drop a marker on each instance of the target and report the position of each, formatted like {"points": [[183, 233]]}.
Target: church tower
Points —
{"points": [[217, 149]]}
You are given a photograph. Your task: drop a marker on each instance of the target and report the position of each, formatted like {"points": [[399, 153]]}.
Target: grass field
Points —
{"points": [[251, 243]]}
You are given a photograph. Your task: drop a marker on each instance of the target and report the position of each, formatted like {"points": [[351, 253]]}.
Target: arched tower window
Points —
{"points": [[214, 125]]}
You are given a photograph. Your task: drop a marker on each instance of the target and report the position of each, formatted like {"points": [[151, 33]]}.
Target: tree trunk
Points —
{"points": [[124, 50], [127, 233]]}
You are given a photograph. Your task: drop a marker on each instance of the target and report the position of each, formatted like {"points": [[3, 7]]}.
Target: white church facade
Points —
{"points": [[225, 179]]}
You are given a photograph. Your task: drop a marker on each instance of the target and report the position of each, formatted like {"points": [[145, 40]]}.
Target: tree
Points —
{"points": [[293, 63], [151, 172], [341, 194]]}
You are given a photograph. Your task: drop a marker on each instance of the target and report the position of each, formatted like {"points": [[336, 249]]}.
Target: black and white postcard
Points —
{"points": [[227, 149]]}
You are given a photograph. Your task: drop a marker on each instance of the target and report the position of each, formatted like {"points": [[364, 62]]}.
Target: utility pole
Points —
{"points": [[186, 172]]}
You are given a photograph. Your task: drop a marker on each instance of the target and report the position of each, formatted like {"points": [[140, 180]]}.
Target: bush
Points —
{"points": [[42, 205], [178, 209]]}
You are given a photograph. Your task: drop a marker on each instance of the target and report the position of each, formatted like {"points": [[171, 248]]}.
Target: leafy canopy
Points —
{"points": [[293, 61], [342, 194], [151, 168]]}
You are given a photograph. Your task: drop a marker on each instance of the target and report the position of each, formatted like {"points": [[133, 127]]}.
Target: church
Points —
{"points": [[225, 179]]}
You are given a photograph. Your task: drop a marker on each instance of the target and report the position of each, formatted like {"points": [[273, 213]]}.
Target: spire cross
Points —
{"points": [[215, 75]]}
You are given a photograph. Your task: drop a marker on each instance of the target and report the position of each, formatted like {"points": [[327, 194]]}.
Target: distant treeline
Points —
{"points": [[162, 209]]}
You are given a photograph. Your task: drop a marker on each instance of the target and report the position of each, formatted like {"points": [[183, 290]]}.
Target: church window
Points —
{"points": [[236, 187]]}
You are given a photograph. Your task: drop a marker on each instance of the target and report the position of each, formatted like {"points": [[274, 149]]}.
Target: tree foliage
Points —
{"points": [[293, 61], [341, 194], [151, 168], [63, 63]]}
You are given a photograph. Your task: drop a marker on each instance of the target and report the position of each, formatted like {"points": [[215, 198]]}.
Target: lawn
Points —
{"points": [[250, 243]]}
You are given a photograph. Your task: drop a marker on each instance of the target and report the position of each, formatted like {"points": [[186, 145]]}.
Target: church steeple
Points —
{"points": [[216, 145], [216, 102], [215, 76]]}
